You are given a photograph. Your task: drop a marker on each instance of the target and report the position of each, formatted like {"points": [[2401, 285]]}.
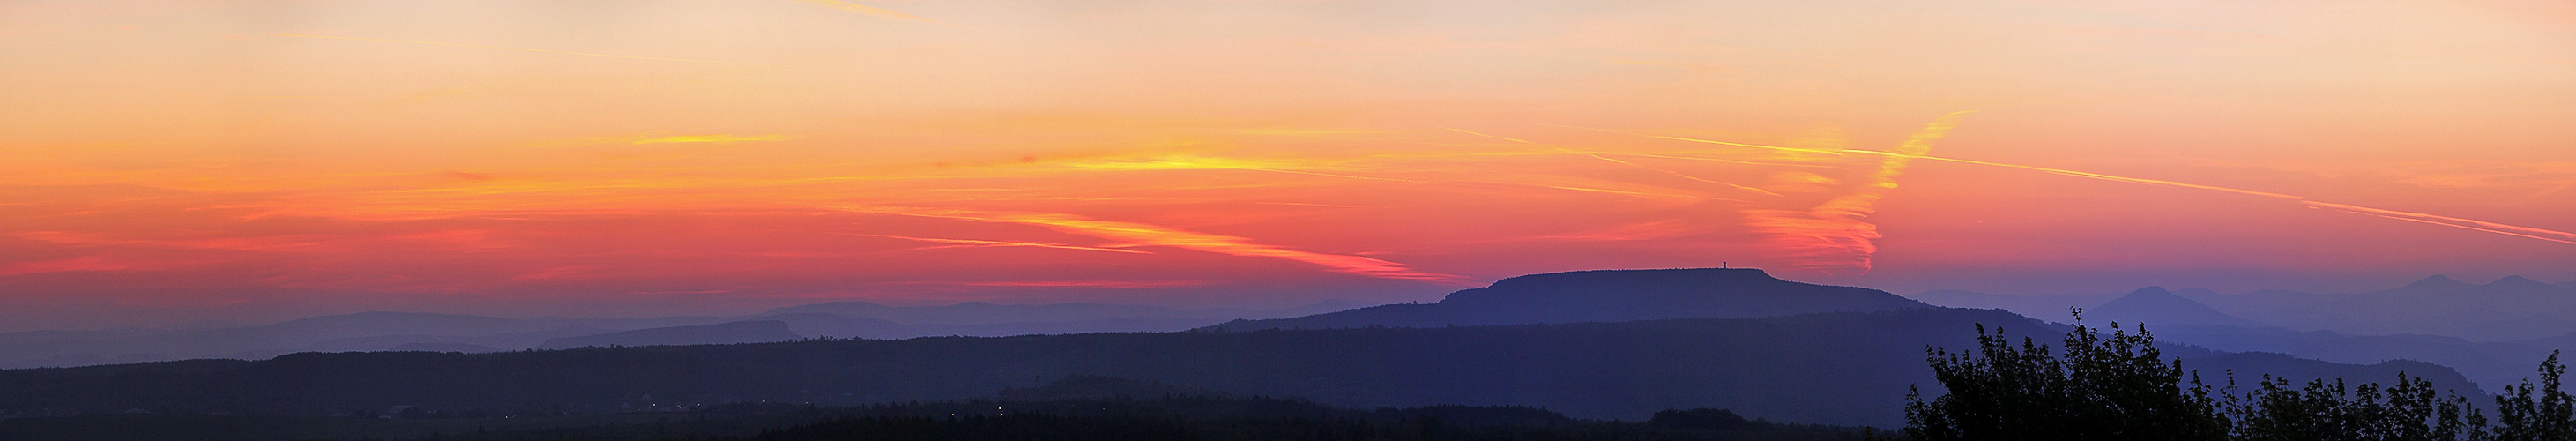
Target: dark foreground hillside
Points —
{"points": [[1124, 418], [1837, 368]]}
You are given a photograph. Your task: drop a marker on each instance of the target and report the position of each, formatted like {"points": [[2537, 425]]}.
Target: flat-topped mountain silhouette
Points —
{"points": [[1607, 296]]}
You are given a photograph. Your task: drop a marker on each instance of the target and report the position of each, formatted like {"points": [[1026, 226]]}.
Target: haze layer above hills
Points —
{"points": [[381, 331], [2510, 308], [2493, 333]]}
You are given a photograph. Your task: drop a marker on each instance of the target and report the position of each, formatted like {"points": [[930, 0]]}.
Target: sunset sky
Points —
{"points": [[256, 160]]}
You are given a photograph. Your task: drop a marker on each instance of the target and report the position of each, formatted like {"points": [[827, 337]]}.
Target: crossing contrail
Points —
{"points": [[1838, 233], [2434, 219]]}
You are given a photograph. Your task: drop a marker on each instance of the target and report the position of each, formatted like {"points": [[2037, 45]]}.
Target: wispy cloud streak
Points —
{"points": [[1837, 234], [86, 263], [1154, 235], [1704, 141], [521, 49], [999, 243]]}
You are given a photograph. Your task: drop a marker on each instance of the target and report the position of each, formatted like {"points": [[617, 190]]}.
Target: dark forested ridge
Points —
{"points": [[1119, 418], [1607, 296], [1270, 419], [1835, 368]]}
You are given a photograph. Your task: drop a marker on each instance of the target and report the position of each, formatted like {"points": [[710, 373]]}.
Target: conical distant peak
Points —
{"points": [[2436, 281], [2157, 305], [2152, 291]]}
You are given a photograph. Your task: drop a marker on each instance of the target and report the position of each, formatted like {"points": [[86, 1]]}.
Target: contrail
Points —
{"points": [[521, 49], [2453, 222], [999, 243], [1626, 163], [2447, 221], [2434, 219]]}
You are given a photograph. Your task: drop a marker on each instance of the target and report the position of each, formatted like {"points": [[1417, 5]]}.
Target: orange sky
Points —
{"points": [[259, 159]]}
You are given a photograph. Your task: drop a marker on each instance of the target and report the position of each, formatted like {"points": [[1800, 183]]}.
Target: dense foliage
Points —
{"points": [[2120, 387]]}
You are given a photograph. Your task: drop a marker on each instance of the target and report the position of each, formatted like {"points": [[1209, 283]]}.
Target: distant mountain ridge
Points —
{"points": [[716, 334], [2509, 308], [976, 313], [1607, 296]]}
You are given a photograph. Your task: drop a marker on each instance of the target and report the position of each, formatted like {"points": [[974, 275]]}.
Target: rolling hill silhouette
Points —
{"points": [[1842, 368], [715, 334], [1850, 365], [1607, 296]]}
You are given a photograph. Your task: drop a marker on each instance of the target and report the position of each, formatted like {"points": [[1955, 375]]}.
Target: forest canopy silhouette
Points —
{"points": [[2119, 386]]}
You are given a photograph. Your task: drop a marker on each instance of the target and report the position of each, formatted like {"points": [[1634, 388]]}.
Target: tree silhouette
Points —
{"points": [[2119, 387], [2114, 387], [2409, 410], [2545, 413]]}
